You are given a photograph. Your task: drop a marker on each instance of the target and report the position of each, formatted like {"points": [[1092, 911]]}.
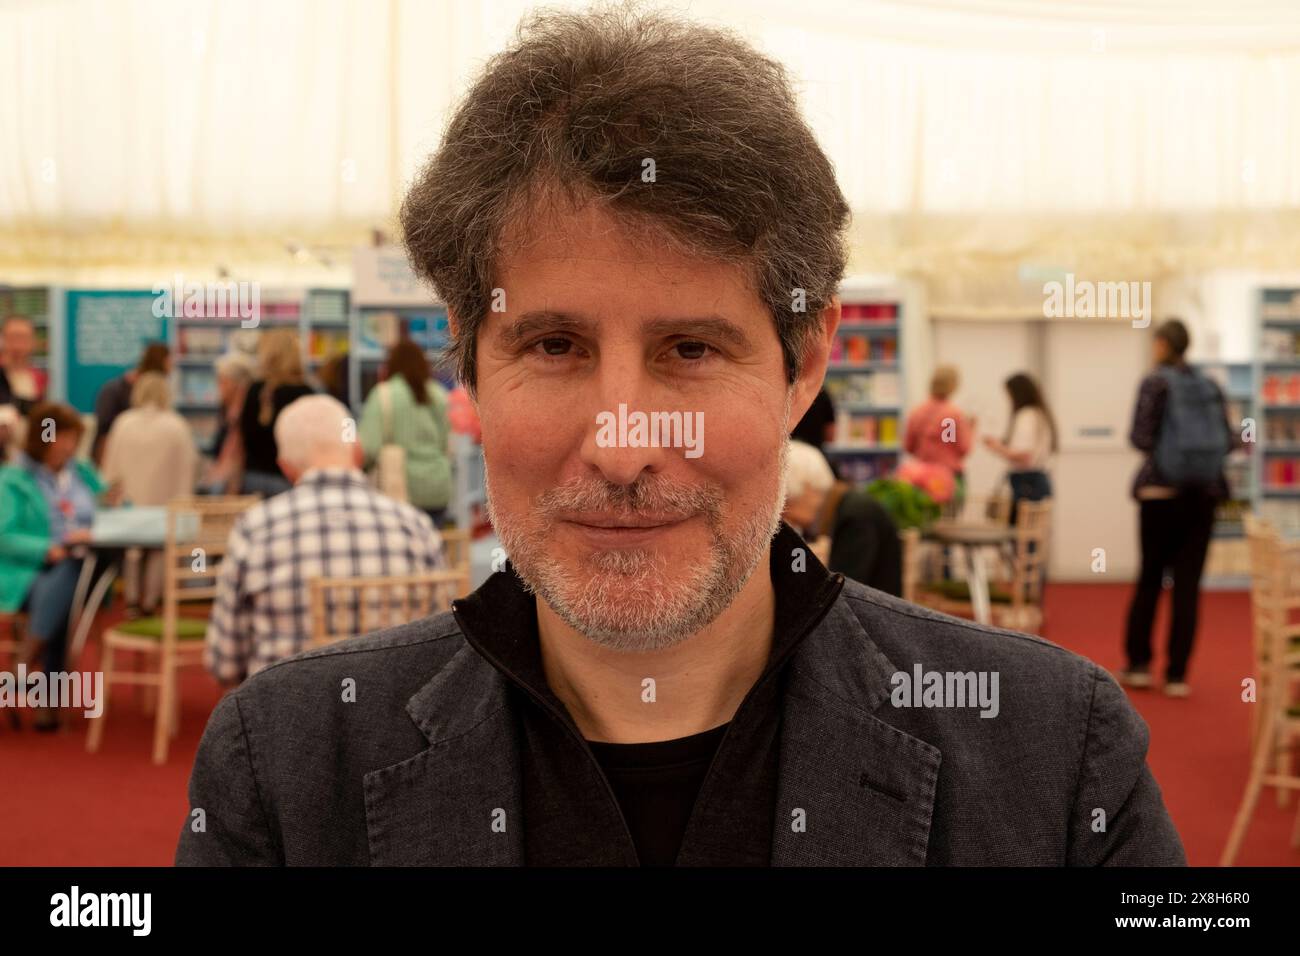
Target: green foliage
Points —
{"points": [[909, 506]]}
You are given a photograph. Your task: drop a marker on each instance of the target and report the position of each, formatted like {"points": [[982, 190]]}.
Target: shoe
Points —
{"points": [[1177, 688], [1139, 680]]}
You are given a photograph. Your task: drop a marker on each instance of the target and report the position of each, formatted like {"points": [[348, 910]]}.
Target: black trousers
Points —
{"points": [[1175, 536]]}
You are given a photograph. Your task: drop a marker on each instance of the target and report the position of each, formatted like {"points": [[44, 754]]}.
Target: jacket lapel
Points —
{"points": [[865, 789], [458, 802]]}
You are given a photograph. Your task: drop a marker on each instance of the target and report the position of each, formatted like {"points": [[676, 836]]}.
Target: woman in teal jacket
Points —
{"points": [[47, 506], [416, 420]]}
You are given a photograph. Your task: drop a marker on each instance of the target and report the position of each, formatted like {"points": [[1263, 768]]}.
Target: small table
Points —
{"points": [[972, 539]]}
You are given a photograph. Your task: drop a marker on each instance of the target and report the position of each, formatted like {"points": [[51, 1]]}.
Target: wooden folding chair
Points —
{"points": [[197, 532], [346, 607], [455, 545], [1275, 597], [911, 541], [16, 647]]}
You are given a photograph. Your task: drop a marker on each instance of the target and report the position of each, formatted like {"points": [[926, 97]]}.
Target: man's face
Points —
{"points": [[18, 341], [635, 547]]}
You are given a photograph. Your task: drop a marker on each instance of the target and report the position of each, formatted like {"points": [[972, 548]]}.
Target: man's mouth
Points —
{"points": [[607, 522]]}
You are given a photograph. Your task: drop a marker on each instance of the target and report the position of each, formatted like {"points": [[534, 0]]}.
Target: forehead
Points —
{"points": [[588, 255], [17, 324]]}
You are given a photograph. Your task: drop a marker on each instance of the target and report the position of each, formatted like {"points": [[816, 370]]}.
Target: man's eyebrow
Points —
{"points": [[546, 320], [709, 326]]}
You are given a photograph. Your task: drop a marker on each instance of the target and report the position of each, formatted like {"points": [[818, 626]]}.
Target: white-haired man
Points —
{"points": [[331, 524], [864, 540]]}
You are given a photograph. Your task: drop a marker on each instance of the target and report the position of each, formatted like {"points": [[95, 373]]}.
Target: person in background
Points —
{"points": [[864, 540], [151, 456], [114, 397], [47, 507], [281, 382], [1029, 444], [409, 410], [333, 376], [234, 374], [938, 432], [332, 524], [21, 385], [1178, 488], [817, 427]]}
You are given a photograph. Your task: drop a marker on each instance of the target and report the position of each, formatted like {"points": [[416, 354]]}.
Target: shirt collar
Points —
{"points": [[332, 476], [499, 620]]}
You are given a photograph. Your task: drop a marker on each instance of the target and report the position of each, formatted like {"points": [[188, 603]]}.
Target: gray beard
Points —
{"points": [[626, 599]]}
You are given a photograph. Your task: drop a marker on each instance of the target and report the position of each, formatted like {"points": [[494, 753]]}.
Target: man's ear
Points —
{"points": [[358, 455], [817, 353]]}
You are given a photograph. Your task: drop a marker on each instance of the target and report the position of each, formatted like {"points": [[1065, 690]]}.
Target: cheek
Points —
{"points": [[525, 444]]}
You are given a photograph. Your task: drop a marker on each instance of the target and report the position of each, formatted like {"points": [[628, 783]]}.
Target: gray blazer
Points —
{"points": [[414, 770]]}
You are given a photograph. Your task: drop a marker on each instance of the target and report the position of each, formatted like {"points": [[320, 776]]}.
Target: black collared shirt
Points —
{"points": [[572, 812]]}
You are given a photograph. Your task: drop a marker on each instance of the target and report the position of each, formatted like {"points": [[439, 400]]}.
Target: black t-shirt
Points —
{"points": [[656, 785], [260, 452]]}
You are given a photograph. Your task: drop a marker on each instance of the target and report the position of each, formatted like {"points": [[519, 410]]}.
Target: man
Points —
{"points": [[21, 385], [616, 219], [864, 540], [331, 524], [114, 396]]}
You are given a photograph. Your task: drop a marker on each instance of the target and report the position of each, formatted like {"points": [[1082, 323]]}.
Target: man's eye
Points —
{"points": [[555, 346], [691, 351]]}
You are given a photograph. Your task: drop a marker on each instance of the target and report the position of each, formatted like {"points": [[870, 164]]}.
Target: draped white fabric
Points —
{"points": [[152, 130]]}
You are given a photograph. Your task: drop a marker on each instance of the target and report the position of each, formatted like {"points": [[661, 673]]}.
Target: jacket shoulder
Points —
{"points": [[391, 664], [907, 633]]}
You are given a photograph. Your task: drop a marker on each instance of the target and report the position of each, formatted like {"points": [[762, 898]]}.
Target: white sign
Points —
{"points": [[382, 276]]}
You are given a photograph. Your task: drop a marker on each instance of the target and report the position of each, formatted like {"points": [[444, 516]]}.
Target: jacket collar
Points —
{"points": [[865, 789]]}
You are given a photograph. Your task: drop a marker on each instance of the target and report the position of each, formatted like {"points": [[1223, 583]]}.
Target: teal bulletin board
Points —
{"points": [[107, 331]]}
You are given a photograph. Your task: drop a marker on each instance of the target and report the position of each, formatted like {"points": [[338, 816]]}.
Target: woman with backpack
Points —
{"points": [[1181, 423]]}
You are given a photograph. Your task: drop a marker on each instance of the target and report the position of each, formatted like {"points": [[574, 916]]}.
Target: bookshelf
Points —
{"points": [[1276, 480], [377, 327], [319, 316], [865, 383]]}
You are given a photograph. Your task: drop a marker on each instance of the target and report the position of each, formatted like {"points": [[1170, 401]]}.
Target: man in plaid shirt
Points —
{"points": [[331, 524]]}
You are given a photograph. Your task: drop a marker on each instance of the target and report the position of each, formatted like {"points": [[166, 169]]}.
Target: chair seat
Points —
{"points": [[960, 591], [187, 628]]}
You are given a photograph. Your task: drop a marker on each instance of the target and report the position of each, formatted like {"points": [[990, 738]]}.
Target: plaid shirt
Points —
{"points": [[331, 524]]}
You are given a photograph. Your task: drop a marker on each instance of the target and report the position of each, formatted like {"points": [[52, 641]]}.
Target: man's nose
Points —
{"points": [[625, 389]]}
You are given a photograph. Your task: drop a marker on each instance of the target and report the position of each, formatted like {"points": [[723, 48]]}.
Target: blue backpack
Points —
{"points": [[1193, 440]]}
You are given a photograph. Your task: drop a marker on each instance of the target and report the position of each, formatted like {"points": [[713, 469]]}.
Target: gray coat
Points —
{"points": [[418, 768]]}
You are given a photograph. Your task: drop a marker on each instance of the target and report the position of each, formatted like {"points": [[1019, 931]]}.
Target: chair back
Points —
{"points": [[911, 541], [198, 531], [1033, 532], [346, 607], [455, 546]]}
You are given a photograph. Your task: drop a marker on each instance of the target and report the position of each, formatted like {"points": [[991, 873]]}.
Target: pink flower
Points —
{"points": [[935, 480]]}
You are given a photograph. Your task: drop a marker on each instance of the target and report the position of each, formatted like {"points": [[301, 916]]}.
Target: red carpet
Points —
{"points": [[62, 806]]}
